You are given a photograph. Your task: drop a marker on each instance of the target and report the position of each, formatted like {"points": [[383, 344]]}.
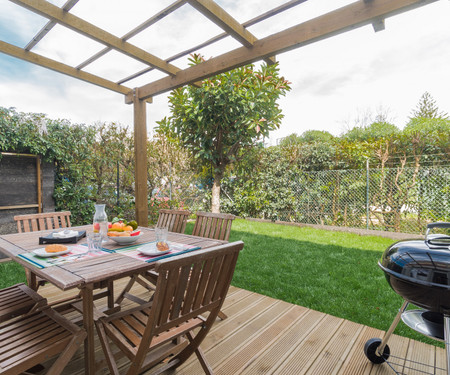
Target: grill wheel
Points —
{"points": [[370, 350]]}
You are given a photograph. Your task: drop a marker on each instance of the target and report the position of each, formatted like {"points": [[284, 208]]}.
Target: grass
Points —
{"points": [[332, 272], [11, 273]]}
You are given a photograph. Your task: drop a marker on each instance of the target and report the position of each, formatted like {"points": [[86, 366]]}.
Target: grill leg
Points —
{"points": [[447, 340], [391, 329]]}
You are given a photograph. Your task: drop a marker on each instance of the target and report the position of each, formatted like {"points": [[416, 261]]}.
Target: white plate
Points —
{"points": [[151, 250], [43, 254], [125, 240]]}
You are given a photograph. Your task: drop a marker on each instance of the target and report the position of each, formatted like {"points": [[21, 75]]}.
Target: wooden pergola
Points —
{"points": [[355, 15]]}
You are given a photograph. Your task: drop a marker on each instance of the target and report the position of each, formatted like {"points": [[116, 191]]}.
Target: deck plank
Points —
{"points": [[263, 336]]}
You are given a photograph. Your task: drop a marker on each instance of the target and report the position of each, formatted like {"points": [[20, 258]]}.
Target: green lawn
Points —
{"points": [[11, 273], [333, 272]]}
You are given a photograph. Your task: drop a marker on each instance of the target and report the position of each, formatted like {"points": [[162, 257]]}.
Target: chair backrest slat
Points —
{"points": [[213, 225], [42, 221], [49, 223], [210, 287], [168, 297], [180, 292], [174, 220], [190, 293], [200, 291]]}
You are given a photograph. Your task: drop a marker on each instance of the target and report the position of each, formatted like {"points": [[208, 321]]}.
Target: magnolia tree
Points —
{"points": [[226, 115]]}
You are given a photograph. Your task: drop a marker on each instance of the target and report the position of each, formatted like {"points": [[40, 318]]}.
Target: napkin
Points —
{"points": [[65, 234]]}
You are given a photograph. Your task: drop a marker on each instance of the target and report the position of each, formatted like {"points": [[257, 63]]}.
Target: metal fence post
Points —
{"points": [[170, 181], [118, 186], [367, 194]]}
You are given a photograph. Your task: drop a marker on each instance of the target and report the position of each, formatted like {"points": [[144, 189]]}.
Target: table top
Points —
{"points": [[96, 269]]}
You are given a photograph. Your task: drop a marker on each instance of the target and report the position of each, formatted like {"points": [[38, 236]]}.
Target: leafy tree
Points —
{"points": [[376, 130], [226, 114], [316, 136], [291, 139], [307, 137], [427, 108]]}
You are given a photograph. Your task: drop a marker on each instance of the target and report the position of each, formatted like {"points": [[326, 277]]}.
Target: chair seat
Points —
{"points": [[17, 300], [127, 331], [34, 338]]}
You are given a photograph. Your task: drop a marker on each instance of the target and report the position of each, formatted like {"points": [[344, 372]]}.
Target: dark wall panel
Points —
{"points": [[18, 186]]}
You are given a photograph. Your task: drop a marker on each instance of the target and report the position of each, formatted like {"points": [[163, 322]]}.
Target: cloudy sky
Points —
{"points": [[334, 82]]}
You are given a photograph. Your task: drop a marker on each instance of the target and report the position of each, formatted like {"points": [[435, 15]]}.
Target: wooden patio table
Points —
{"points": [[93, 273]]}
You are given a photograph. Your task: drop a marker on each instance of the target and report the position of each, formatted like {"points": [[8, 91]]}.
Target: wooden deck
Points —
{"points": [[263, 335]]}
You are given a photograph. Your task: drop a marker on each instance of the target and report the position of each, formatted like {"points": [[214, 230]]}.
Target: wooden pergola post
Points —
{"points": [[140, 152]]}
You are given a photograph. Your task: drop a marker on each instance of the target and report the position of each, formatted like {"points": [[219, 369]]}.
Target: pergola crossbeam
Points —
{"points": [[344, 19], [59, 67], [89, 30]]}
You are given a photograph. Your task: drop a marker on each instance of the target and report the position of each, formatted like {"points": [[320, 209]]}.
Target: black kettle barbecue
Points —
{"points": [[419, 271]]}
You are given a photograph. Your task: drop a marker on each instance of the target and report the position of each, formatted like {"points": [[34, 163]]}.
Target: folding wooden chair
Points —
{"points": [[34, 338], [17, 300], [189, 287], [213, 225], [173, 220], [42, 221]]}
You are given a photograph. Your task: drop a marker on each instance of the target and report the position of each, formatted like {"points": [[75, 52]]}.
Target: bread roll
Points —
{"points": [[55, 248]]}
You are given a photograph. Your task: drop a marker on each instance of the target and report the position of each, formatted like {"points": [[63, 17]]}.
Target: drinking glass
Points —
{"points": [[94, 241], [161, 238]]}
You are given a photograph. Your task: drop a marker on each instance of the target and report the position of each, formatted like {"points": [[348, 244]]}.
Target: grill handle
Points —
{"points": [[436, 239], [439, 224]]}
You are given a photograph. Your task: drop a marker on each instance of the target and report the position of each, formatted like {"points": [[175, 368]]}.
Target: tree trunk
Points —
{"points": [[215, 192]]}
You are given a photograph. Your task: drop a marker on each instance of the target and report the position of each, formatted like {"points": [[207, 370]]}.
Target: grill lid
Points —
{"points": [[419, 270]]}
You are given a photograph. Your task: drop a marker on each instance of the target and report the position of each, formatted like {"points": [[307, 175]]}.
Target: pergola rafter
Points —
{"points": [[48, 26], [352, 16]]}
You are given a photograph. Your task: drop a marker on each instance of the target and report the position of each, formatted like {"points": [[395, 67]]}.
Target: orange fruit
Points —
{"points": [[128, 228]]}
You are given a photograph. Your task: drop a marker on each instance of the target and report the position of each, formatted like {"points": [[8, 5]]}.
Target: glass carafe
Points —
{"points": [[100, 220]]}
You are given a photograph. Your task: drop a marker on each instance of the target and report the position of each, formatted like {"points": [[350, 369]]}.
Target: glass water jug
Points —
{"points": [[100, 220]]}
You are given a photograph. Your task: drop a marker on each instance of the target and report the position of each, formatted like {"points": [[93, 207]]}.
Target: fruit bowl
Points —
{"points": [[125, 240]]}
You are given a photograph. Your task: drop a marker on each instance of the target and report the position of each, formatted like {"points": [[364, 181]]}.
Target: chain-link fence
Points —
{"points": [[396, 199], [389, 199], [186, 193]]}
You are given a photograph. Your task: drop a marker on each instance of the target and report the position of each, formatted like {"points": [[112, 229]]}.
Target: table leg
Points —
{"points": [[110, 294], [88, 323], [31, 279]]}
